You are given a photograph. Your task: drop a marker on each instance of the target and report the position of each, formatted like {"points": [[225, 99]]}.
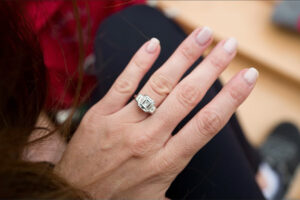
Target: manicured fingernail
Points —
{"points": [[152, 46], [251, 75], [204, 35], [230, 45]]}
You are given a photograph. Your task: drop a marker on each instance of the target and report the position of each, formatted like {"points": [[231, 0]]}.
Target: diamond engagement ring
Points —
{"points": [[145, 103]]}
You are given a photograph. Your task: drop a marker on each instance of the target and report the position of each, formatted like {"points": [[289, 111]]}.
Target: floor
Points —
{"points": [[273, 51]]}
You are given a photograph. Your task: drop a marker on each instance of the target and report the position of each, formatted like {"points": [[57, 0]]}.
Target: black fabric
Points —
{"points": [[225, 167]]}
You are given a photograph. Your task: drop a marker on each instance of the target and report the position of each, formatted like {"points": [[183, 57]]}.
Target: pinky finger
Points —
{"points": [[126, 84], [211, 119]]}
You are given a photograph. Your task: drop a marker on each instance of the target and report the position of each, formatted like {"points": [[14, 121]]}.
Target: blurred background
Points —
{"points": [[268, 33]]}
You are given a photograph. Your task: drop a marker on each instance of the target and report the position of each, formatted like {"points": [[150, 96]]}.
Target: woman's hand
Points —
{"points": [[119, 151]]}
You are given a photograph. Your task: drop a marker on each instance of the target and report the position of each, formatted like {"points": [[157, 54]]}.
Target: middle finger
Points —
{"points": [[187, 94]]}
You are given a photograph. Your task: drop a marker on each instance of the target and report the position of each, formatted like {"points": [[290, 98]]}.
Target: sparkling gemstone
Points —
{"points": [[145, 103]]}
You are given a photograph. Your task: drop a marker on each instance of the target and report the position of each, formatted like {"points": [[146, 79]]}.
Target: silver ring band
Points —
{"points": [[145, 103]]}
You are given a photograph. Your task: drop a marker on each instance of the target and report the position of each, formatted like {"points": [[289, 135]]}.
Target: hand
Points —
{"points": [[121, 152]]}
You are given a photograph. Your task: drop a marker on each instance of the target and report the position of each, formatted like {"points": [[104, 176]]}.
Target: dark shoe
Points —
{"points": [[281, 151]]}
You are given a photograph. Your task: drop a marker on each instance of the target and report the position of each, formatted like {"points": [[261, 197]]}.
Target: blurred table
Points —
{"points": [[274, 51]]}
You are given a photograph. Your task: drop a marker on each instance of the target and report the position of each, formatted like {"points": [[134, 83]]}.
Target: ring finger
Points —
{"points": [[164, 79]]}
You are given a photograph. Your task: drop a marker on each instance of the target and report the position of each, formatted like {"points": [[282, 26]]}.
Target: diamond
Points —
{"points": [[145, 103]]}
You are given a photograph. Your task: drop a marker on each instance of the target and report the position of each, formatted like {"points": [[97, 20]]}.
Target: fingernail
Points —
{"points": [[230, 45], [152, 46], [251, 75], [204, 35]]}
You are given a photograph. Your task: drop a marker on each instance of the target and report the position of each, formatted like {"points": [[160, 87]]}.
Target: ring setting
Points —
{"points": [[145, 103]]}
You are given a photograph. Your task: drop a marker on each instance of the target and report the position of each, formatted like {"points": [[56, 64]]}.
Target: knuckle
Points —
{"points": [[124, 86], [166, 166], [217, 61], [188, 95], [188, 150], [160, 85], [188, 53], [110, 136], [140, 146], [209, 123], [236, 95], [140, 64]]}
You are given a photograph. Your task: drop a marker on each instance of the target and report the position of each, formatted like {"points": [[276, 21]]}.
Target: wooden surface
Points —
{"points": [[277, 94], [250, 23], [275, 52]]}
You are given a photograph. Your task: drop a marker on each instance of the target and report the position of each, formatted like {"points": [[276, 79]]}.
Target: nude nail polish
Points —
{"points": [[204, 35], [230, 45], [251, 75], [152, 45]]}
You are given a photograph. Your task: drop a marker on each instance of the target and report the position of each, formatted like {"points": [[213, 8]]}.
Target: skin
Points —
{"points": [[120, 152], [49, 149]]}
